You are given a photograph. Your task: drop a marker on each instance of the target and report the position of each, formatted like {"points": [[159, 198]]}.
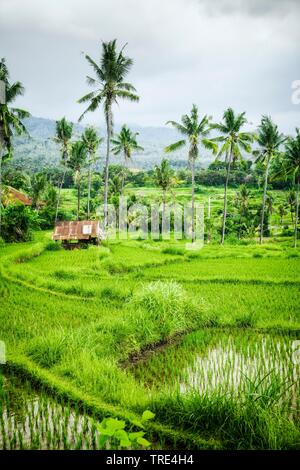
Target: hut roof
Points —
{"points": [[78, 230], [17, 196]]}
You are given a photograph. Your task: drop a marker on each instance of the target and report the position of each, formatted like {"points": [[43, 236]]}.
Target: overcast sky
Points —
{"points": [[215, 53]]}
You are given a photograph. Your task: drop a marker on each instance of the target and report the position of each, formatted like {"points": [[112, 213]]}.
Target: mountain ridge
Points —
{"points": [[39, 150]]}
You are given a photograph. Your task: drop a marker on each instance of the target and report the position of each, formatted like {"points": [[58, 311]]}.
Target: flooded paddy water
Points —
{"points": [[235, 363], [31, 419], [239, 364]]}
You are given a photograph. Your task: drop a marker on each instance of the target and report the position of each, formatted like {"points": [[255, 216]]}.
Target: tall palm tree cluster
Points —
{"points": [[231, 145], [10, 120], [76, 155], [109, 86]]}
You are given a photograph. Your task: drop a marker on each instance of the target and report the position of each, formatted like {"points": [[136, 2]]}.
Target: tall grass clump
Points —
{"points": [[47, 350], [113, 295], [173, 250], [245, 321], [24, 255], [165, 308], [250, 423], [61, 274], [117, 267], [53, 246]]}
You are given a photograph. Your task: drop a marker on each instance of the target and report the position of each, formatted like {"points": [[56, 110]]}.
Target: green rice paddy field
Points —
{"points": [[206, 340], [204, 194]]}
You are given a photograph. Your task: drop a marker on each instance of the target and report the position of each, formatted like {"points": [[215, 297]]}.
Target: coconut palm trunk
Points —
{"points": [[193, 199], [123, 181], [163, 215], [264, 202], [89, 190], [297, 213], [123, 176], [109, 132], [225, 197], [59, 192], [78, 195]]}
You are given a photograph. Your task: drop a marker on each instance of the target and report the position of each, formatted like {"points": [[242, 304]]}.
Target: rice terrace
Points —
{"points": [[127, 325]]}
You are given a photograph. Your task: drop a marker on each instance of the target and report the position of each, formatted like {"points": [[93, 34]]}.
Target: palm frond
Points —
{"points": [[87, 97], [224, 149], [126, 86], [173, 147], [179, 127], [92, 107], [95, 66], [21, 113], [210, 145], [126, 95]]}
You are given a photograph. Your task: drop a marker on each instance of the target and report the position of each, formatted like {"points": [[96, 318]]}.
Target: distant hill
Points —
{"points": [[40, 151]]}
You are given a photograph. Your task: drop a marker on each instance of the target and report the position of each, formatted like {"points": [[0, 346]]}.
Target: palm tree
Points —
{"points": [[233, 141], [291, 201], [64, 130], [164, 178], [50, 196], [242, 198], [281, 212], [109, 88], [269, 139], [195, 133], [115, 185], [38, 186], [92, 142], [125, 142], [269, 203], [10, 119], [78, 158], [292, 152]]}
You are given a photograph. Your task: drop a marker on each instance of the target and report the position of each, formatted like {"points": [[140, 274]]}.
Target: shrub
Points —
{"points": [[18, 222]]}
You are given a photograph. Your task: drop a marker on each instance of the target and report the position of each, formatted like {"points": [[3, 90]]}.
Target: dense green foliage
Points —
{"points": [[89, 311], [202, 339], [18, 223]]}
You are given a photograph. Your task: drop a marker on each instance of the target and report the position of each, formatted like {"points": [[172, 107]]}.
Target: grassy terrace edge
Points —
{"points": [[57, 386], [61, 388]]}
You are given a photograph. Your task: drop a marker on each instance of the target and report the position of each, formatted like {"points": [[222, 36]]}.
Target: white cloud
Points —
{"points": [[216, 53]]}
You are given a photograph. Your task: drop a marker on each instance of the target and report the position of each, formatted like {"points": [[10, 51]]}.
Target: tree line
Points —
{"points": [[109, 86]]}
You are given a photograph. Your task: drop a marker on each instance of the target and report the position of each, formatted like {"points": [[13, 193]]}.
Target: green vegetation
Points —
{"points": [[10, 120], [110, 74], [233, 140], [192, 348], [125, 142], [195, 133], [84, 319], [30, 421]]}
